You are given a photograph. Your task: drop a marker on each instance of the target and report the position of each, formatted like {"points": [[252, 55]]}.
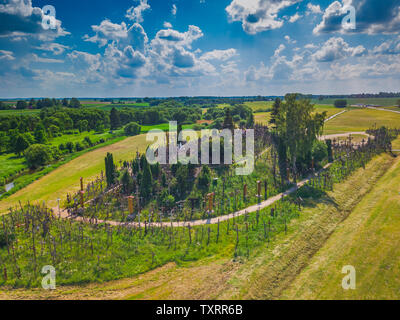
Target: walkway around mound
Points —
{"points": [[177, 224]]}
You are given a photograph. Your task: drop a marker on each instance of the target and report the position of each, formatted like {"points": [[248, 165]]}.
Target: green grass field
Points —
{"points": [[66, 178], [385, 102], [368, 240], [358, 120]]}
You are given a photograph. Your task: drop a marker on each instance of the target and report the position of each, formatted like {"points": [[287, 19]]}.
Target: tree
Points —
{"points": [[276, 107], [83, 125], [146, 182], [127, 182], [319, 151], [21, 144], [329, 147], [297, 128], [115, 121], [74, 103], [132, 129], [341, 103], [40, 134], [38, 155], [21, 105], [204, 179], [250, 121], [182, 180], [65, 102], [110, 170], [228, 121]]}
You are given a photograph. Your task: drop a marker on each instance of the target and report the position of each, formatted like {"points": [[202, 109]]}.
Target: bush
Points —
{"points": [[132, 129], [79, 146], [69, 146], [88, 141], [38, 155], [319, 151]]}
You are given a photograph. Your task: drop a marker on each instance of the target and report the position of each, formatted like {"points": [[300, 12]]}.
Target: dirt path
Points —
{"points": [[252, 208]]}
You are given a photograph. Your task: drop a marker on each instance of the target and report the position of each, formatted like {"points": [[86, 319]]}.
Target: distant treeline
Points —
{"points": [[357, 96]]}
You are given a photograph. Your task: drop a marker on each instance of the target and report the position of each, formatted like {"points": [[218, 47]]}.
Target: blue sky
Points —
{"points": [[140, 48]]}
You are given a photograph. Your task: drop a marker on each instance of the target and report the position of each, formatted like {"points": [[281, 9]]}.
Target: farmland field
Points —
{"points": [[384, 102], [66, 178], [360, 120]]}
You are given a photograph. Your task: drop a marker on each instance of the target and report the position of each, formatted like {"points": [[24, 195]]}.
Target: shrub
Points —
{"points": [[79, 146], [38, 155], [319, 151], [69, 146], [88, 141], [132, 129]]}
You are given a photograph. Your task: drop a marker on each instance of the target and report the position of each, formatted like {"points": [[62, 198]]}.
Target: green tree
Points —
{"points": [[127, 182], [21, 144], [146, 182], [74, 103], [115, 121], [83, 125], [297, 128], [132, 129], [38, 155], [228, 121], [276, 107], [21, 105], [110, 169], [204, 179], [40, 134], [65, 102]]}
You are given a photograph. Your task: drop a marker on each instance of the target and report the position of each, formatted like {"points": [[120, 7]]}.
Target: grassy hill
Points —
{"points": [[369, 240]]}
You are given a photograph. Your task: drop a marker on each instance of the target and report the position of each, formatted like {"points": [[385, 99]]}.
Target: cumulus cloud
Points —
{"points": [[54, 48], [18, 18], [136, 13], [314, 9], [294, 18], [390, 47], [107, 32], [222, 55], [258, 15], [373, 16], [336, 49], [167, 25]]}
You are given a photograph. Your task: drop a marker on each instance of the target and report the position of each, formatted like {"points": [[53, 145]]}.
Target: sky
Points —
{"points": [[161, 48]]}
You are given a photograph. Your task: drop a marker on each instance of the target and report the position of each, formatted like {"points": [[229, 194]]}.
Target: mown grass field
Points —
{"points": [[358, 120], [369, 240], [66, 178], [385, 102], [268, 271]]}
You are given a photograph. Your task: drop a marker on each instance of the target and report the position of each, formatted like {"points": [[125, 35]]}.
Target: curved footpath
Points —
{"points": [[253, 208]]}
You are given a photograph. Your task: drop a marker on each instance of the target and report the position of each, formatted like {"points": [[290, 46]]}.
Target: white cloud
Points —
{"points": [[372, 17], [167, 25], [54, 48], [6, 55], [136, 13], [222, 55], [289, 40], [294, 18], [258, 15], [314, 9], [337, 48]]}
